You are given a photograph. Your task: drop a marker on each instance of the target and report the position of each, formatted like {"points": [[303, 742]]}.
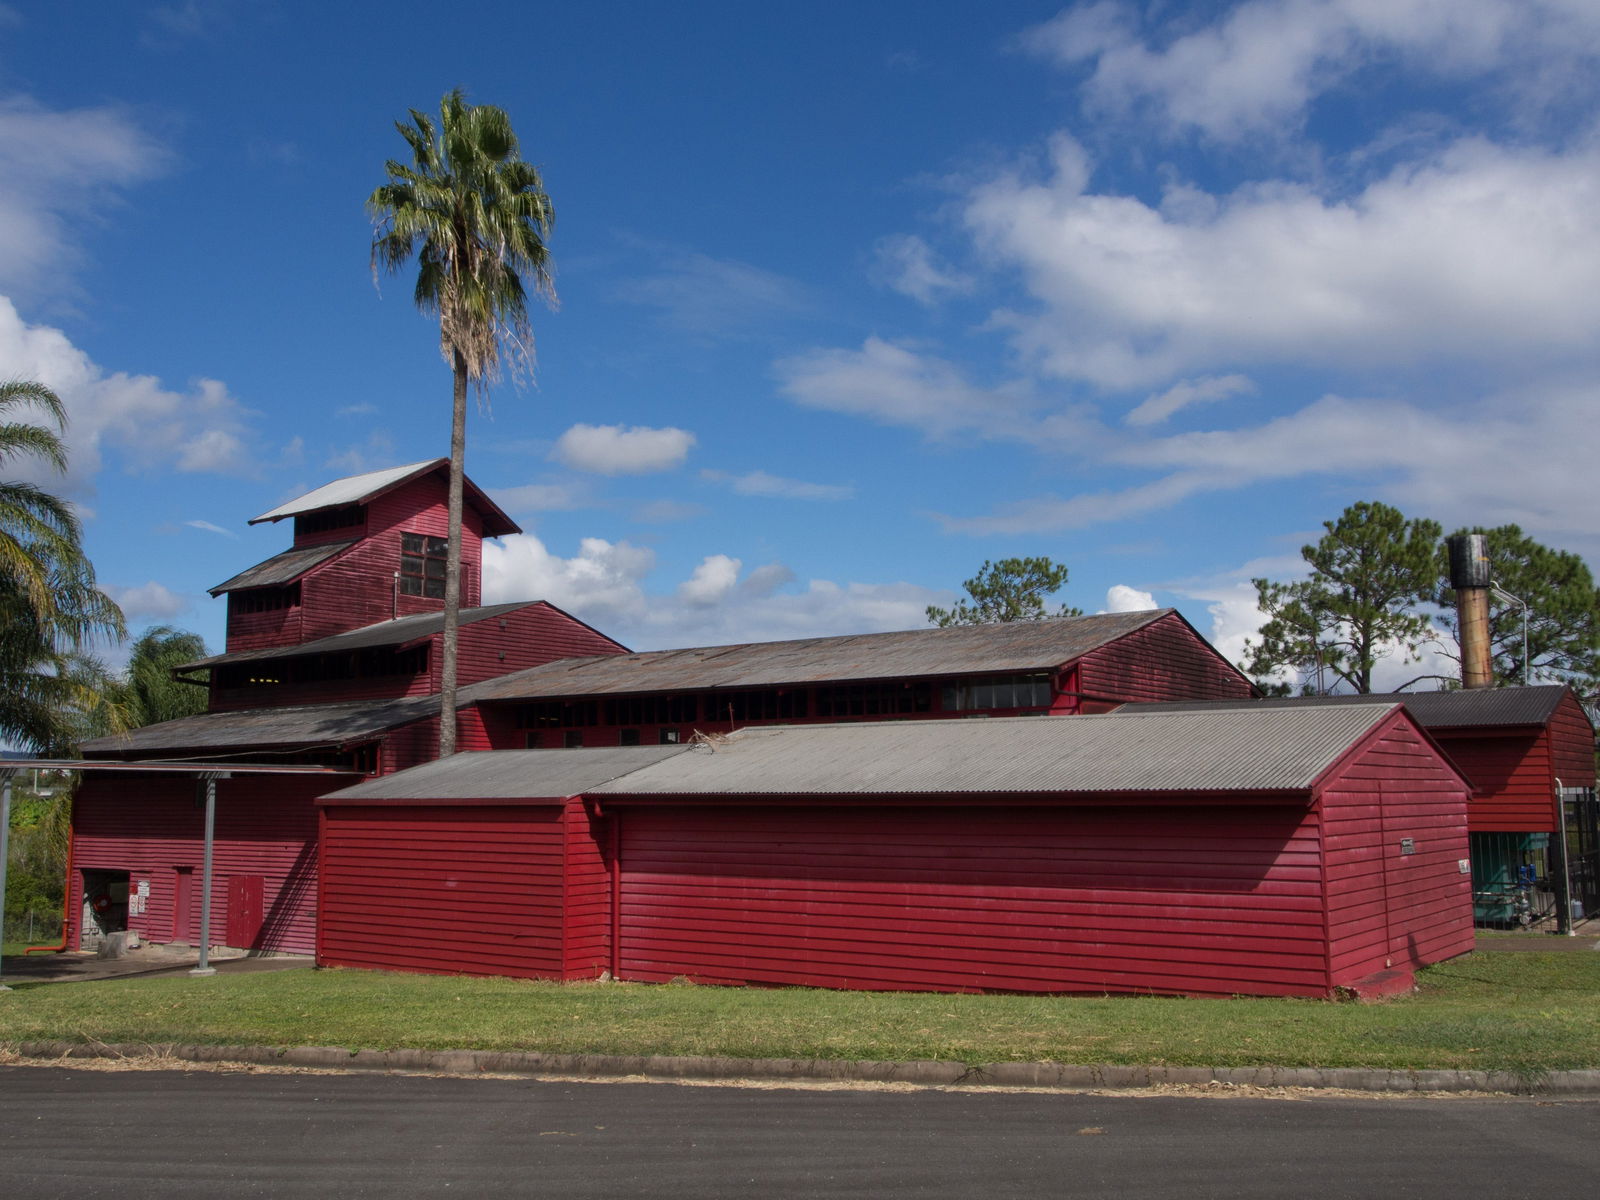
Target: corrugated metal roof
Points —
{"points": [[1432, 710], [959, 650], [283, 568], [510, 774], [262, 728], [352, 489], [358, 489], [386, 633], [1260, 750], [1237, 750]]}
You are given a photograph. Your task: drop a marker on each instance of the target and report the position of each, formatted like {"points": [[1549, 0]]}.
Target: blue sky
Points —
{"points": [[853, 296]]}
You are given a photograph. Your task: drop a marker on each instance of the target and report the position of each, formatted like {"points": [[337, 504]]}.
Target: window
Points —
{"points": [[651, 710], [422, 560], [998, 691], [267, 599], [348, 517], [628, 737], [874, 699], [573, 739], [669, 737]]}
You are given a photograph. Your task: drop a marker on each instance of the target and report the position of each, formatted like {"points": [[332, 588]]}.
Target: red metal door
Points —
{"points": [[244, 910], [182, 904]]}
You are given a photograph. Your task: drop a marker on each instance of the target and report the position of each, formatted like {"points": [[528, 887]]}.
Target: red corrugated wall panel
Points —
{"points": [[152, 825], [1166, 660], [1388, 909], [1158, 899], [587, 952], [1572, 744], [457, 890], [1510, 773]]}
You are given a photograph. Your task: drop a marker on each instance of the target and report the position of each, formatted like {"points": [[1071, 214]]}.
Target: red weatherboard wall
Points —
{"points": [[1166, 660], [1386, 909], [1510, 775], [266, 826], [1198, 899], [464, 889]]}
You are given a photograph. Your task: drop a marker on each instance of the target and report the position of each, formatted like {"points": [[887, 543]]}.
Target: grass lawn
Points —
{"points": [[1524, 1012]]}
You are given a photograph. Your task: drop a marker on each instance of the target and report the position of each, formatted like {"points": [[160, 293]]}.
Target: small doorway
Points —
{"points": [[245, 910], [105, 907], [183, 904]]}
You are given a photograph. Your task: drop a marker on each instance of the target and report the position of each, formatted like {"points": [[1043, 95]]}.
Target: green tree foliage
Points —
{"points": [[1013, 589], [50, 609], [148, 692], [476, 218], [1564, 612], [1368, 573]]}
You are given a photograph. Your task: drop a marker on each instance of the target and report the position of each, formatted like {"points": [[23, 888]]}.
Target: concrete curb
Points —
{"points": [[926, 1072]]}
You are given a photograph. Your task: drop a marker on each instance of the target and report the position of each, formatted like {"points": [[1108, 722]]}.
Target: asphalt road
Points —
{"points": [[137, 1134]]}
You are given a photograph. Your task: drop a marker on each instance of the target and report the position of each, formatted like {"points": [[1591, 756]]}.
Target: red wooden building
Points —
{"points": [[332, 660], [1529, 753], [1260, 851]]}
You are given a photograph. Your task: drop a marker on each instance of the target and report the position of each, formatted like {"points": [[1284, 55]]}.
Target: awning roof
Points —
{"points": [[168, 767], [258, 729], [1433, 710], [1019, 646], [510, 775], [1271, 752], [359, 489], [283, 568], [402, 631]]}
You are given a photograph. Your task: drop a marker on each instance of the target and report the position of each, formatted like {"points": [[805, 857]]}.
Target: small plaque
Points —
{"points": [[1408, 846]]}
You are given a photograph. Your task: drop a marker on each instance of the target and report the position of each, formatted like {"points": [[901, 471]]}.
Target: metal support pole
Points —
{"points": [[5, 849], [205, 967], [1563, 866]]}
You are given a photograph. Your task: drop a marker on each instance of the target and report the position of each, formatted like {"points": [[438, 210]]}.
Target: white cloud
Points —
{"points": [[148, 602], [1260, 66], [614, 450], [56, 166], [666, 511], [605, 585], [711, 582], [697, 294], [376, 452], [907, 264], [1188, 394], [1121, 598], [541, 497], [1482, 254], [760, 483], [210, 528], [147, 425], [896, 385], [1505, 458]]}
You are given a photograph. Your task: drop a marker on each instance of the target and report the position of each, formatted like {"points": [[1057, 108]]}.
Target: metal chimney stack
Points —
{"points": [[1469, 576]]}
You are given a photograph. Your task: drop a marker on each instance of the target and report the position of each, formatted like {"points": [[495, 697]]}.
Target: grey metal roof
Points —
{"points": [[959, 650], [398, 632], [1432, 710], [1272, 750], [352, 489], [283, 568], [275, 728], [510, 774], [358, 489]]}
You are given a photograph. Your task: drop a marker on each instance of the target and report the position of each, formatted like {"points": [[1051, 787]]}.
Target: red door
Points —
{"points": [[244, 910]]}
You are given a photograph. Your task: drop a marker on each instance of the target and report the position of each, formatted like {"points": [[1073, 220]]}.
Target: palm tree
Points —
{"points": [[476, 216], [148, 692], [50, 608]]}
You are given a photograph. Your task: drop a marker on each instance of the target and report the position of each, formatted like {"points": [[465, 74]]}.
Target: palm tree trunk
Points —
{"points": [[452, 564]]}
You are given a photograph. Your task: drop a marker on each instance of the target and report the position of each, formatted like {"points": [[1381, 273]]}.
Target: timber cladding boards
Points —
{"points": [[1271, 890], [1393, 816], [1165, 660], [265, 829]]}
